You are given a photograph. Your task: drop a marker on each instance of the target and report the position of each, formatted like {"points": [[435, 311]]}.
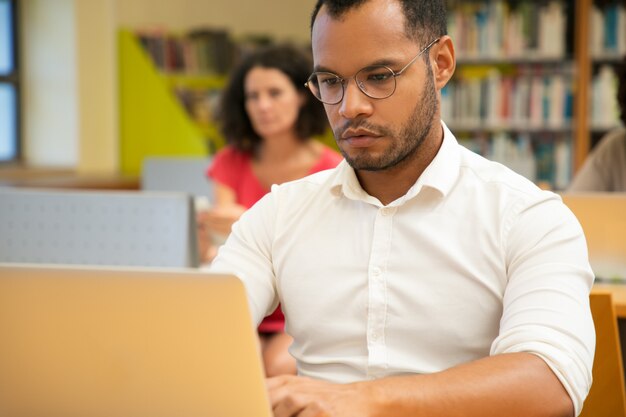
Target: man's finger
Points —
{"points": [[288, 404]]}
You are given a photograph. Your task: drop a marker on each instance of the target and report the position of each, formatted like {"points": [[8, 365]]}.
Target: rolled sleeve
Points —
{"points": [[546, 303], [247, 254]]}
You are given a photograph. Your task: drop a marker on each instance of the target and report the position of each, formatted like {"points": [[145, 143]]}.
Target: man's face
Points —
{"points": [[375, 134]]}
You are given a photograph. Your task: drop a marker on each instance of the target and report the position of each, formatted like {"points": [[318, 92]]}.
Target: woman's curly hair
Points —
{"points": [[231, 114]]}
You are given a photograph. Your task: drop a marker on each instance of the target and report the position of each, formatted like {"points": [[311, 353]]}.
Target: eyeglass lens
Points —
{"points": [[375, 81]]}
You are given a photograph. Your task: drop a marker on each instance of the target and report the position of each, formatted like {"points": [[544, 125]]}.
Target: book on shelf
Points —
{"points": [[516, 97], [497, 29], [214, 50], [517, 154], [554, 161], [546, 159], [608, 31], [200, 51], [605, 110]]}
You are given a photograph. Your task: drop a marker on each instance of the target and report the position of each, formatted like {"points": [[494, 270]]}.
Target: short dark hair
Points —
{"points": [[231, 115], [425, 20], [621, 91]]}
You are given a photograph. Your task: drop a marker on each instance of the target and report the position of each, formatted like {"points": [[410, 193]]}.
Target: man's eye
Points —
{"points": [[329, 81], [379, 77]]}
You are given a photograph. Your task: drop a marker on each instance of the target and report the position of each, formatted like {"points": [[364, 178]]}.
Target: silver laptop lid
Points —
{"points": [[80, 342]]}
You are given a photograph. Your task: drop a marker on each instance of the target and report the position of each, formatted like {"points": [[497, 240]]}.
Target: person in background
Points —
{"points": [[605, 168], [268, 118], [417, 278]]}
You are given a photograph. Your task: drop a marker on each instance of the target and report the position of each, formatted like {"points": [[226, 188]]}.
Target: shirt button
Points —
{"points": [[389, 211], [376, 271]]}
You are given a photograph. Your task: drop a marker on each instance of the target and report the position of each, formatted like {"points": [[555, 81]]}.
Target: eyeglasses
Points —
{"points": [[375, 81]]}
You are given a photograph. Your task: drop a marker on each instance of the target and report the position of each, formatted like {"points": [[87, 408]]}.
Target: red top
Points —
{"points": [[233, 169]]}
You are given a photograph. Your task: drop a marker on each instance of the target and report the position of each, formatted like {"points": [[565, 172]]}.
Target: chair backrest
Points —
{"points": [[607, 396], [603, 218], [97, 228], [182, 174]]}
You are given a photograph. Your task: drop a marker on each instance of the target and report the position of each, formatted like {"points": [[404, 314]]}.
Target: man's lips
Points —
{"points": [[349, 133], [359, 137]]}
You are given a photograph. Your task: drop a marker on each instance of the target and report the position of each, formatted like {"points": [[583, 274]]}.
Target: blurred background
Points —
{"points": [[90, 88]]}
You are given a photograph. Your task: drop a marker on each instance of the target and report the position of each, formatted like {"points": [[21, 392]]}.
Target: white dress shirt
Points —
{"points": [[473, 261]]}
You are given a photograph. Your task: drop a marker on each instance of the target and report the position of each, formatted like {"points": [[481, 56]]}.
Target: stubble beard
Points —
{"points": [[406, 141]]}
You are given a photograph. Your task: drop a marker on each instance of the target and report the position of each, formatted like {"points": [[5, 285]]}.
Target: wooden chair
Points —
{"points": [[602, 217], [607, 396]]}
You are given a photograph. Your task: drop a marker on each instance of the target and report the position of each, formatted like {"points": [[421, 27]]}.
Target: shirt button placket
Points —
{"points": [[377, 359]]}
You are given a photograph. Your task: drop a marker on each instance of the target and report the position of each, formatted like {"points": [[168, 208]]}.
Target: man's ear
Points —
{"points": [[443, 61]]}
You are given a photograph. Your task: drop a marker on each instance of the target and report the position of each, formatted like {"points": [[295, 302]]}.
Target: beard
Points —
{"points": [[406, 140]]}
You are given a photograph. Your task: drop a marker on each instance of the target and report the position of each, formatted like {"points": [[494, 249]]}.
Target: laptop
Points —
{"points": [[603, 218], [123, 342]]}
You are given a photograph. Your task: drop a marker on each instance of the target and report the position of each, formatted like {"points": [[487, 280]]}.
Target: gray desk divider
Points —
{"points": [[97, 228], [182, 174]]}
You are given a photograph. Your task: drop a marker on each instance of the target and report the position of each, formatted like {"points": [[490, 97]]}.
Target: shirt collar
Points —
{"points": [[440, 174], [443, 171]]}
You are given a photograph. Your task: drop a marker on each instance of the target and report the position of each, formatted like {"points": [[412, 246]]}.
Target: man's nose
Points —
{"points": [[355, 103]]}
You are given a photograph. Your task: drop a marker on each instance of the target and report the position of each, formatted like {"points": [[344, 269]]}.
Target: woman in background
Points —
{"points": [[268, 118]]}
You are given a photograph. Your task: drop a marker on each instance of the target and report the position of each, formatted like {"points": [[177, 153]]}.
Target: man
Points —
{"points": [[417, 278]]}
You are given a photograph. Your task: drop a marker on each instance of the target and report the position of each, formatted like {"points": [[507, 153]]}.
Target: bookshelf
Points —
{"points": [[607, 47], [530, 75], [153, 121]]}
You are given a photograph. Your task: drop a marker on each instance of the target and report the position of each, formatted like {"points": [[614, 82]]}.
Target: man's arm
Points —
{"points": [[516, 384], [247, 254]]}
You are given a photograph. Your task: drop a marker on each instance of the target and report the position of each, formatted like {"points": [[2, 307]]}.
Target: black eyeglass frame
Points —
{"points": [[345, 80]]}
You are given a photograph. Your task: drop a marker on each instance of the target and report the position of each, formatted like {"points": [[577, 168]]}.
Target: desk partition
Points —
{"points": [[180, 174], [97, 228]]}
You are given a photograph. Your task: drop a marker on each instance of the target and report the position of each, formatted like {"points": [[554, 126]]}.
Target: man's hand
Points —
{"points": [[293, 396]]}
